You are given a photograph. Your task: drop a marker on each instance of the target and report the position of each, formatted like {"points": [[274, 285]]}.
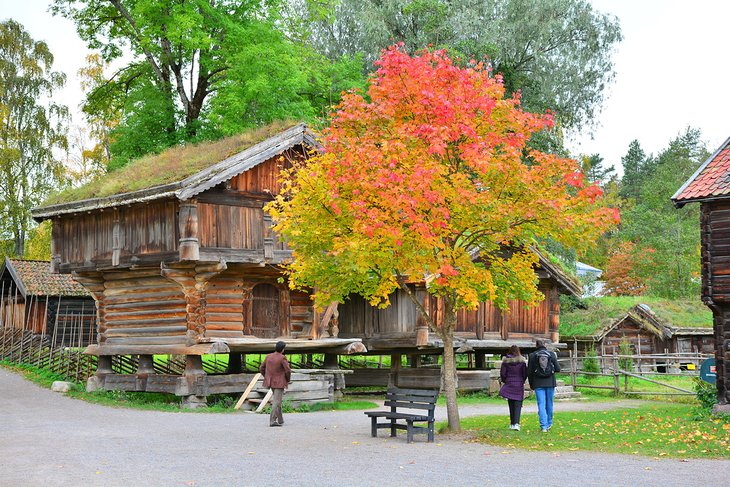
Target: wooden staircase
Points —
{"points": [[253, 401]]}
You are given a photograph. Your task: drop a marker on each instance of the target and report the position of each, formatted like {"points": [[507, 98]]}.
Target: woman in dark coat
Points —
{"points": [[513, 374]]}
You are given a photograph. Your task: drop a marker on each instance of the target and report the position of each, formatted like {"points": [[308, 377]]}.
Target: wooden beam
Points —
{"points": [[248, 390], [181, 349]]}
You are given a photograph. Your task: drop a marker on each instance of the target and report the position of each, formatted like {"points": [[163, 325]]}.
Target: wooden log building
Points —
{"points": [[33, 298], [181, 258], [646, 330], [710, 187]]}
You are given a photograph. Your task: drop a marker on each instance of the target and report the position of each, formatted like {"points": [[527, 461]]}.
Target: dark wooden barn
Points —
{"points": [[54, 305], [646, 330], [487, 328], [710, 186], [180, 257]]}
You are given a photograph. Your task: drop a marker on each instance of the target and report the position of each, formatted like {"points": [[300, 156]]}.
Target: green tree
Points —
{"points": [[595, 171], [31, 127], [653, 223], [635, 164], [199, 69], [557, 53]]}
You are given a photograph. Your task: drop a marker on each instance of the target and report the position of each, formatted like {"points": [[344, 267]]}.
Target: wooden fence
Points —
{"points": [[646, 368]]}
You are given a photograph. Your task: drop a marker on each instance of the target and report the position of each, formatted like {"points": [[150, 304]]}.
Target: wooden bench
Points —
{"points": [[411, 400]]}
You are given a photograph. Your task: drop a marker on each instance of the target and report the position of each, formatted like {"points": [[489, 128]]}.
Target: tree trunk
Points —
{"points": [[449, 368]]}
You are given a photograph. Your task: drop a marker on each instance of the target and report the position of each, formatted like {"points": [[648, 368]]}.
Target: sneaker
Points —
{"points": [[544, 430], [511, 426], [517, 427]]}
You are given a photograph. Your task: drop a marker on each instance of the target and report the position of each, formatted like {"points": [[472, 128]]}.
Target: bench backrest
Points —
{"points": [[424, 399]]}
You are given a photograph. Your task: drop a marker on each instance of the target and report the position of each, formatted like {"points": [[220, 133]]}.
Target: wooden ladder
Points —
{"points": [[244, 397]]}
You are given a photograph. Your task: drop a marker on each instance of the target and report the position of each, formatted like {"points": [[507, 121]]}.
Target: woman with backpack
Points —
{"points": [[512, 374]]}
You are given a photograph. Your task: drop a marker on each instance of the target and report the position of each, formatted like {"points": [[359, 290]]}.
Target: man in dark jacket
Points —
{"points": [[542, 365], [277, 375]]}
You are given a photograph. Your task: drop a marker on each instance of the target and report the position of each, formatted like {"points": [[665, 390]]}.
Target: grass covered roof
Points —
{"points": [[169, 166], [604, 311]]}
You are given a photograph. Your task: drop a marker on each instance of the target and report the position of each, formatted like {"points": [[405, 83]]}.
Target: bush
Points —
{"points": [[706, 397], [590, 361]]}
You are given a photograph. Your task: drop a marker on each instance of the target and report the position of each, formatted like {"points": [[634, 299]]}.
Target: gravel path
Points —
{"points": [[49, 439]]}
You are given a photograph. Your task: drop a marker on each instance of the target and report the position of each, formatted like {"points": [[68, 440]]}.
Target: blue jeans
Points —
{"points": [[544, 396]]}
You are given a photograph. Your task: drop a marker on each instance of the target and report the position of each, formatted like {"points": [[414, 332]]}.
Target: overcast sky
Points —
{"points": [[671, 71]]}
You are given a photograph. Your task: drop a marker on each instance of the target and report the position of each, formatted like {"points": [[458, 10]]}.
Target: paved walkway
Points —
{"points": [[49, 439]]}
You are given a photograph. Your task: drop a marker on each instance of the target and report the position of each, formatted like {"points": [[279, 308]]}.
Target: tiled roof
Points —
{"points": [[711, 180], [38, 280]]}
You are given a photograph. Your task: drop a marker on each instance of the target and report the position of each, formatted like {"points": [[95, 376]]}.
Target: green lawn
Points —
{"points": [[656, 430]]}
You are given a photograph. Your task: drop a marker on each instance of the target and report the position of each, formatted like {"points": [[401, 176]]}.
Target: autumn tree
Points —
{"points": [[626, 272], [428, 176], [31, 127]]}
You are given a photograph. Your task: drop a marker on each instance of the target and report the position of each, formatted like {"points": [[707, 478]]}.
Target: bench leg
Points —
{"points": [[374, 426], [430, 432], [409, 431], [392, 427]]}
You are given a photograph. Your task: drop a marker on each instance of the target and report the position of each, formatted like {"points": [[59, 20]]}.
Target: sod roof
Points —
{"points": [[605, 311], [170, 166]]}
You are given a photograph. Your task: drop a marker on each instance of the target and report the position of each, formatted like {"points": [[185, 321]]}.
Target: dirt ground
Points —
{"points": [[49, 439]]}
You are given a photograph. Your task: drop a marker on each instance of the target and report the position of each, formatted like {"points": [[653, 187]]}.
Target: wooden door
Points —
{"points": [[265, 311]]}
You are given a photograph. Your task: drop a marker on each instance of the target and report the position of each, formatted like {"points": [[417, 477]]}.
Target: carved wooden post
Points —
{"points": [[421, 324], [554, 315], [117, 239], [194, 283], [395, 367], [145, 365], [188, 224], [481, 321], [284, 311], [246, 308], [268, 233]]}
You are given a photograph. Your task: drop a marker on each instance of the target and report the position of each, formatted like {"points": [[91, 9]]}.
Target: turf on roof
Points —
{"points": [[170, 166], [604, 311]]}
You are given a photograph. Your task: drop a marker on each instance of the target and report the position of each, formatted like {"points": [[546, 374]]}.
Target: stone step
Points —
{"points": [[564, 396]]}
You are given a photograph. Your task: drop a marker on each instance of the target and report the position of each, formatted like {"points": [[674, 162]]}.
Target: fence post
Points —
{"points": [[573, 368], [616, 384]]}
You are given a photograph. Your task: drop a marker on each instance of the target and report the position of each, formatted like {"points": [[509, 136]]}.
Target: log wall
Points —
{"points": [[142, 308], [358, 318], [715, 255]]}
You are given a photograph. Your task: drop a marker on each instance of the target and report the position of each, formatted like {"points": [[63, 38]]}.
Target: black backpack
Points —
{"points": [[544, 364]]}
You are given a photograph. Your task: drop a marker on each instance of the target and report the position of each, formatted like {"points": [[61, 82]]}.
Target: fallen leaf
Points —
{"points": [[355, 442]]}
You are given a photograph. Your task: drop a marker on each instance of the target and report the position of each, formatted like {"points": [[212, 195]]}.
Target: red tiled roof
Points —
{"points": [[38, 280], [711, 180]]}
